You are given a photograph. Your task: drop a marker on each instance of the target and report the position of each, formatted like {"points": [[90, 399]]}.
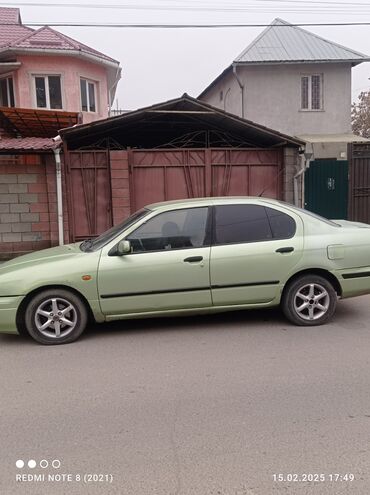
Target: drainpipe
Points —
{"points": [[110, 90], [58, 171], [305, 163], [241, 87]]}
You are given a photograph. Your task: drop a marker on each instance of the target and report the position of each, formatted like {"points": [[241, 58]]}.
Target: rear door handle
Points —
{"points": [[193, 259], [285, 250]]}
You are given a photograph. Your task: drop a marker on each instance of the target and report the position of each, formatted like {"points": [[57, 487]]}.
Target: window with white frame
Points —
{"points": [[88, 95], [311, 92], [48, 92], [7, 92]]}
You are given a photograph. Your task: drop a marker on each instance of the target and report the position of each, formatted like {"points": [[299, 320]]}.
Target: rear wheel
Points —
{"points": [[309, 300], [55, 317]]}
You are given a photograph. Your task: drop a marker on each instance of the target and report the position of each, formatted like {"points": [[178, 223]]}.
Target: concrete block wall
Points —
{"points": [[291, 167], [121, 206], [28, 206]]}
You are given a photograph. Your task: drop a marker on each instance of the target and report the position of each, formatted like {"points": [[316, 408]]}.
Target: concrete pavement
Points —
{"points": [[201, 406]]}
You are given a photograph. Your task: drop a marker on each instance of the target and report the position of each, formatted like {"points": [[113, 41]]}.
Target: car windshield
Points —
{"points": [[108, 235]]}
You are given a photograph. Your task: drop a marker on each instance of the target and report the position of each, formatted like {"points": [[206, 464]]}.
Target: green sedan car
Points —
{"points": [[184, 257]]}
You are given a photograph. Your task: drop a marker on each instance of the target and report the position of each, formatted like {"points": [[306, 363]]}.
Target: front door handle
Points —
{"points": [[193, 259], [285, 250]]}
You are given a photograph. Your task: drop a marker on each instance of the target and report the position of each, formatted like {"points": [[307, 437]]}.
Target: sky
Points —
{"points": [[160, 64]]}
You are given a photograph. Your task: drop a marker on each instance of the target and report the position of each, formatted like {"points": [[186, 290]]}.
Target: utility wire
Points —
{"points": [[186, 26], [332, 7]]}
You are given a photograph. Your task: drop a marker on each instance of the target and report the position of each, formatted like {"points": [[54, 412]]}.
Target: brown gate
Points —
{"points": [[89, 193], [161, 175], [359, 182]]}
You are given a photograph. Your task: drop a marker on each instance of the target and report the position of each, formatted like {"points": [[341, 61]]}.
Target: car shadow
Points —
{"points": [[256, 318], [186, 323]]}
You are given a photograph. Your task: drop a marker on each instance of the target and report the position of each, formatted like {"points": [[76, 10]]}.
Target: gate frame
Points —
{"points": [[280, 168], [68, 181]]}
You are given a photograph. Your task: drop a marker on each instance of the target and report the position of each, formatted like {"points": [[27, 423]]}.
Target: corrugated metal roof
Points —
{"points": [[283, 42], [333, 138], [158, 124], [27, 122]]}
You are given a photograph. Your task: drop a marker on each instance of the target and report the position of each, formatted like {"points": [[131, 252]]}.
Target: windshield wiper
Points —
{"points": [[86, 245]]}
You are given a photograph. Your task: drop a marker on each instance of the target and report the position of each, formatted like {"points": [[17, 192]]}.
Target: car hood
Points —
{"points": [[62, 265], [40, 256]]}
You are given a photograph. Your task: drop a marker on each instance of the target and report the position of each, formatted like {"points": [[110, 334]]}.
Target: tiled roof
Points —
{"points": [[48, 38], [27, 144], [11, 26], [15, 35], [9, 16], [283, 42]]}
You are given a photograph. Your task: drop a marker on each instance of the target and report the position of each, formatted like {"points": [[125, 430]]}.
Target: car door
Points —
{"points": [[254, 248], [168, 268]]}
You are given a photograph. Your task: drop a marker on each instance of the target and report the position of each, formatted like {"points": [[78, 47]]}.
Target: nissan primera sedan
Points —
{"points": [[184, 257]]}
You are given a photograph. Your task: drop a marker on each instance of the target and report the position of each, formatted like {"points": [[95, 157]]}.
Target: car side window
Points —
{"points": [[283, 226], [251, 223], [241, 223], [176, 229]]}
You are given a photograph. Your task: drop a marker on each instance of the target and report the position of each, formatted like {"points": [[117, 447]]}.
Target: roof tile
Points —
{"points": [[9, 16], [14, 34], [27, 144]]}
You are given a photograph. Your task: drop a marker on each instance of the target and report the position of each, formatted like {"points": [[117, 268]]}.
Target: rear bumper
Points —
{"points": [[354, 281], [8, 313]]}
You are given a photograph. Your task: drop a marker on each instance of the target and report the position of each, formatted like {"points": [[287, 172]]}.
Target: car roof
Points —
{"points": [[193, 202]]}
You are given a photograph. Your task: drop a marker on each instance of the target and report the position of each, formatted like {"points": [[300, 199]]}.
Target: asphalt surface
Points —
{"points": [[207, 405]]}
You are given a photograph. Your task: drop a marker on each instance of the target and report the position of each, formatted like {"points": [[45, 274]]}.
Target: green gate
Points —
{"points": [[326, 188]]}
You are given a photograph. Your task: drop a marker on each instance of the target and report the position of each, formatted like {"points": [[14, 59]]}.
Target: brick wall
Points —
{"points": [[120, 186], [28, 205]]}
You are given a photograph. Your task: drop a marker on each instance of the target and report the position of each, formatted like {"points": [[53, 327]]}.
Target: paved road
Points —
{"points": [[200, 406]]}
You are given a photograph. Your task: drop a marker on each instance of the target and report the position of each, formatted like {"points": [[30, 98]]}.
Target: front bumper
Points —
{"points": [[8, 313]]}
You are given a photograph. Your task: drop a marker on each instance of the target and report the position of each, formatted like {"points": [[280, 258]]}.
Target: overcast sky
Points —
{"points": [[160, 64]]}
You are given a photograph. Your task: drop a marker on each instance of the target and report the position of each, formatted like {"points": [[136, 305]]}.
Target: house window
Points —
{"points": [[311, 92], [7, 92], [88, 95], [48, 91]]}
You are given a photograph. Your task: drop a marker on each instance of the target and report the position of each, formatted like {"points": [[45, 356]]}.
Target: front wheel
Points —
{"points": [[55, 317], [309, 300]]}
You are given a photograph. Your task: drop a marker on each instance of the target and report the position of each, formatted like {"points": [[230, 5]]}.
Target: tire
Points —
{"points": [[309, 300], [45, 314]]}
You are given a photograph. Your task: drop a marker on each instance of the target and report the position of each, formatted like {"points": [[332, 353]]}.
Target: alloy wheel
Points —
{"points": [[311, 301], [56, 317]]}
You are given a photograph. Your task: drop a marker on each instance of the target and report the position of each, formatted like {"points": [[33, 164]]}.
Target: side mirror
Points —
{"points": [[122, 248]]}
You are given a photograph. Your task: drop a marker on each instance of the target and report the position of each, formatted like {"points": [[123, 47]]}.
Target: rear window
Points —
{"points": [[313, 215]]}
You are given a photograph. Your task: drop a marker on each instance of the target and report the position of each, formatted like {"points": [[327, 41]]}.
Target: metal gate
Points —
{"points": [[160, 175], [359, 182], [89, 193], [326, 188]]}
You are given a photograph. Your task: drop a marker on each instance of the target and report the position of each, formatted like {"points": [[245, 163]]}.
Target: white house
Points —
{"points": [[294, 81]]}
